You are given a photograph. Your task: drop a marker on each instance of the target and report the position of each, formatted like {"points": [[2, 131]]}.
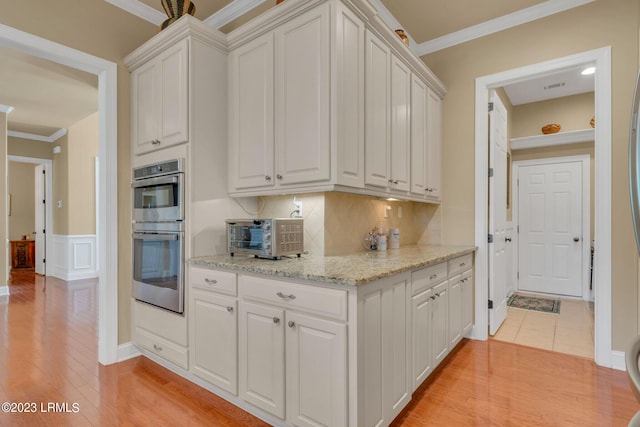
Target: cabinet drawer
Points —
{"points": [[428, 277], [163, 348], [213, 280], [460, 264], [170, 326], [325, 302]]}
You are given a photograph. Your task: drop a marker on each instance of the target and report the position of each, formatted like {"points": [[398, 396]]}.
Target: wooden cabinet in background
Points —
{"points": [[23, 253]]}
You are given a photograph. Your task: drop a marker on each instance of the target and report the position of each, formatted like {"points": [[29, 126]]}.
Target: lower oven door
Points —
{"points": [[158, 272]]}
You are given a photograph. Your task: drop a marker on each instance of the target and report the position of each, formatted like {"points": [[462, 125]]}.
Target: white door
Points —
{"points": [[550, 220], [41, 209], [497, 213]]}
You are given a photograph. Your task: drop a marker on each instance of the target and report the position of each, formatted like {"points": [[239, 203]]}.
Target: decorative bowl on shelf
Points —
{"points": [[592, 122], [551, 128]]}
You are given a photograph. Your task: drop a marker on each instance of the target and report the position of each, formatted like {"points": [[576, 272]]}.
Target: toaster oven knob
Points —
{"points": [[267, 245], [267, 226]]}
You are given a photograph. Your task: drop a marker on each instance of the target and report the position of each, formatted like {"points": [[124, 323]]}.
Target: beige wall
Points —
{"points": [[336, 223], [103, 30], [570, 112], [22, 190], [60, 181], [81, 197], [30, 148], [602, 23]]}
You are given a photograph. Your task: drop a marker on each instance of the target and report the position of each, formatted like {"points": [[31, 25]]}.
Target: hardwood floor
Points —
{"points": [[48, 354]]}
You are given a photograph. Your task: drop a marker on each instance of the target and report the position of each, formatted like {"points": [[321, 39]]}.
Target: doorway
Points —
{"points": [[107, 215], [43, 215], [602, 274]]}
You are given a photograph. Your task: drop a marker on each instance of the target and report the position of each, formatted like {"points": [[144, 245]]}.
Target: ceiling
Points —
{"points": [[47, 96]]}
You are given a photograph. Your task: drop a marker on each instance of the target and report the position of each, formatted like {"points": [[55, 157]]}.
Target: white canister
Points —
{"points": [[382, 243], [394, 238]]}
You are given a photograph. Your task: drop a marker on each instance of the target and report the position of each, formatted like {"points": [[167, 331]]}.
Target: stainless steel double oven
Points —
{"points": [[158, 235]]}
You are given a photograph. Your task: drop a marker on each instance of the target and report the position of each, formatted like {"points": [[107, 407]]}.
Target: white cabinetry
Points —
{"points": [[288, 69], [308, 86], [384, 316], [160, 100], [434, 146], [461, 297], [214, 328], [293, 359]]}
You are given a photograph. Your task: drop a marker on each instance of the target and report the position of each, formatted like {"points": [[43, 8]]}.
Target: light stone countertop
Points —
{"points": [[351, 270]]}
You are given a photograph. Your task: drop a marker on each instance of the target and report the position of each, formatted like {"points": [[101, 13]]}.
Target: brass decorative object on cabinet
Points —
{"points": [[592, 122], [551, 128], [175, 9], [403, 36]]}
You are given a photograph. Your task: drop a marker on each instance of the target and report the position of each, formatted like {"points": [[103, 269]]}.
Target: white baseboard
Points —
{"points": [[617, 360], [72, 257], [4, 290], [128, 351]]}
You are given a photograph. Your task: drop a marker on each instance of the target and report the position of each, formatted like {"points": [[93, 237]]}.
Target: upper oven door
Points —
{"points": [[158, 199]]}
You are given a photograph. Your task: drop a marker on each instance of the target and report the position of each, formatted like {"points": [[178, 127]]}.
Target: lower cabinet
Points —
{"points": [[384, 316], [440, 319], [292, 365], [215, 339], [467, 288]]}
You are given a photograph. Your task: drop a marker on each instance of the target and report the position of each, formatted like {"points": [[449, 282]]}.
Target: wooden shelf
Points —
{"points": [[573, 137]]}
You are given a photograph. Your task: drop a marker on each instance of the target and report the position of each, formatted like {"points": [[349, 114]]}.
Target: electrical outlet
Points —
{"points": [[298, 206]]}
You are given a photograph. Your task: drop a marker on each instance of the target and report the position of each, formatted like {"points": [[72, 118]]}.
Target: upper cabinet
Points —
{"points": [[174, 77], [320, 99], [159, 100]]}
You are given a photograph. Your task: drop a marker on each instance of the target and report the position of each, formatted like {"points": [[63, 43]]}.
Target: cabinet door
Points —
{"points": [[303, 78], [350, 97], [422, 325], [467, 302], [440, 313], [174, 89], [251, 98], [316, 371], [146, 106], [434, 145], [215, 339], [400, 130], [262, 376], [455, 311], [418, 136], [377, 120]]}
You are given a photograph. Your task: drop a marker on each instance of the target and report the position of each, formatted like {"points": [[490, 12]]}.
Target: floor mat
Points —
{"points": [[545, 305]]}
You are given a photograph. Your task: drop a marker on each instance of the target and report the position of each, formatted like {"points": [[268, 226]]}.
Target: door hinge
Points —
{"points": [[490, 238], [490, 106], [44, 260], [44, 201], [490, 172], [490, 305]]}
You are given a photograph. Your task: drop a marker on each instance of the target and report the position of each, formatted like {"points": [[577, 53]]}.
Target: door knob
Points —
{"points": [[576, 239]]}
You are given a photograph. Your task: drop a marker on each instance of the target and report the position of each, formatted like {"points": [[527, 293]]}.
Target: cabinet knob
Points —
{"points": [[267, 178], [390, 181], [279, 176], [432, 297], [507, 239], [291, 324], [156, 347], [433, 276], [283, 296], [230, 309], [211, 281], [438, 295], [395, 182], [155, 142], [276, 320]]}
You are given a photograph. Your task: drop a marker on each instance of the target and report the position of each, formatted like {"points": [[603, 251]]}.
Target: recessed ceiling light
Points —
{"points": [[589, 70]]}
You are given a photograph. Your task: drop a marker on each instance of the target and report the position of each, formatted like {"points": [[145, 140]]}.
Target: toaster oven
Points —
{"points": [[265, 238]]}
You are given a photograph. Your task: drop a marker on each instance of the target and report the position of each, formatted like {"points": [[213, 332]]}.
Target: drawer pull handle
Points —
{"points": [[438, 295], [276, 320], [230, 309], [279, 176], [433, 276], [156, 347], [211, 281], [462, 264], [283, 296], [432, 297], [291, 324], [267, 178]]}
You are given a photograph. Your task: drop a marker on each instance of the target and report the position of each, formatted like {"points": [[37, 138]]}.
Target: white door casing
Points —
{"points": [[601, 58], [40, 215], [497, 213], [553, 211]]}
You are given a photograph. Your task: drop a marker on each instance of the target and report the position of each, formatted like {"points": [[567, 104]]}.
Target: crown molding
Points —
{"points": [[231, 12], [51, 138], [140, 10], [514, 19], [6, 108], [391, 21]]}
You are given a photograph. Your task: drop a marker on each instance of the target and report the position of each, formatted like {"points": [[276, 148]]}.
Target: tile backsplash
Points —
{"points": [[336, 223]]}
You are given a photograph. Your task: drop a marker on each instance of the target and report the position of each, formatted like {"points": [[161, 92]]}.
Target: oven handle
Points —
{"points": [[146, 182], [154, 236]]}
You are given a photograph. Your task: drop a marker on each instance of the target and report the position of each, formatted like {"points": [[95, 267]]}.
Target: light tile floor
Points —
{"points": [[570, 332]]}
